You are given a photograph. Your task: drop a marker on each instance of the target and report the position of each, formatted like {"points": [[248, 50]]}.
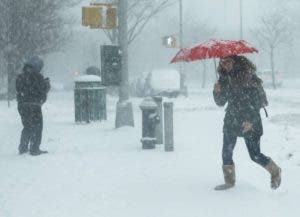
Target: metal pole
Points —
{"points": [[168, 119], [241, 19], [225, 14], [182, 75], [123, 42], [180, 24], [124, 113]]}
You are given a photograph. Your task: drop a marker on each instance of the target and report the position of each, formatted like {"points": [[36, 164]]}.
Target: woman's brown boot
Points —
{"points": [[229, 177], [275, 172]]}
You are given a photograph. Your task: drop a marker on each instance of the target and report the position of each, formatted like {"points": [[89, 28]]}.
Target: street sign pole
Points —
{"points": [[124, 111], [183, 87], [241, 19]]}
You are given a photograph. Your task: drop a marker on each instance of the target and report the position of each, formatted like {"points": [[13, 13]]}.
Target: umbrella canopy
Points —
{"points": [[214, 49]]}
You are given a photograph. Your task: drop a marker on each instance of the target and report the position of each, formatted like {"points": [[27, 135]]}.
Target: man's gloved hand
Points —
{"points": [[47, 84]]}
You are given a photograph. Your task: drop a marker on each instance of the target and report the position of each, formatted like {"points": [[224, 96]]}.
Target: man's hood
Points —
{"points": [[35, 63]]}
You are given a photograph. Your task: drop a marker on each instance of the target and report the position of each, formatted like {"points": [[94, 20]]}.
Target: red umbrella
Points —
{"points": [[214, 49]]}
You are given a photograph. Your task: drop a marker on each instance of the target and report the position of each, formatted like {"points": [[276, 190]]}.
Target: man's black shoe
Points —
{"points": [[23, 151], [38, 152]]}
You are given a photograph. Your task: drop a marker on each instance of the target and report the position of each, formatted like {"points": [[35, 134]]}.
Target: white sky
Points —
{"points": [[225, 13]]}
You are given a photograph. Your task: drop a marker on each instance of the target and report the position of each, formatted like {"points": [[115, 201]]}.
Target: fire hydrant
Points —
{"points": [[150, 119]]}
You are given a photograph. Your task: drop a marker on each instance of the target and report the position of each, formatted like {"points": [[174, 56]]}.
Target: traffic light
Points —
{"points": [[111, 18], [100, 16], [170, 41], [92, 16]]}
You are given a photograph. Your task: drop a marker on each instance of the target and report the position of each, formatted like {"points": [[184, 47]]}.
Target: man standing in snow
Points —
{"points": [[32, 89], [242, 90]]}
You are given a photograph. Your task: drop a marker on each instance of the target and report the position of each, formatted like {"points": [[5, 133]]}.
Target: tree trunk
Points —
{"points": [[273, 68], [12, 67], [124, 113]]}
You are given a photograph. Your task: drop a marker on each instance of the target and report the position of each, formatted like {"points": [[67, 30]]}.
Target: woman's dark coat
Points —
{"points": [[243, 103]]}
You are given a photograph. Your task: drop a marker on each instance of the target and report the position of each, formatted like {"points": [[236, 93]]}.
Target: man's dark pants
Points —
{"points": [[32, 120]]}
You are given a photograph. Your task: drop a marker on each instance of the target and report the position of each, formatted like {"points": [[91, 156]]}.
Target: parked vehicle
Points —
{"points": [[162, 82]]}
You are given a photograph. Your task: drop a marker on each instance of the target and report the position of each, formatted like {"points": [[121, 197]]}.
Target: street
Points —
{"points": [[96, 170]]}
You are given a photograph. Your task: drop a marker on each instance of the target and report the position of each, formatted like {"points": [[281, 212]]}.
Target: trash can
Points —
{"points": [[89, 99]]}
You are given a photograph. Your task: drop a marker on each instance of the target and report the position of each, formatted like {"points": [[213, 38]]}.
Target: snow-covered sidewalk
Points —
{"points": [[95, 170]]}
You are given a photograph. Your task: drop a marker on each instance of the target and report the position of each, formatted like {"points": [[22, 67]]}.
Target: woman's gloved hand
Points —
{"points": [[247, 126]]}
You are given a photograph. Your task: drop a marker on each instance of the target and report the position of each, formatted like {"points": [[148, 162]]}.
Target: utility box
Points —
{"points": [[89, 99], [111, 65]]}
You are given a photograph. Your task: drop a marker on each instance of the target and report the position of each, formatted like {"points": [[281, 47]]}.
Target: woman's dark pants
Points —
{"points": [[253, 145]]}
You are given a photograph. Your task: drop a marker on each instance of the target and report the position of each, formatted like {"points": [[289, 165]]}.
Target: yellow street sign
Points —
{"points": [[92, 16], [100, 16]]}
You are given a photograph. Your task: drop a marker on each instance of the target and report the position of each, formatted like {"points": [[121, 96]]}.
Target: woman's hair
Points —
{"points": [[243, 64], [243, 68]]}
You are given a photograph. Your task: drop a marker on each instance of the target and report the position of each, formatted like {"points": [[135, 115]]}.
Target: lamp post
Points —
{"points": [[180, 24], [241, 19], [183, 87], [225, 14]]}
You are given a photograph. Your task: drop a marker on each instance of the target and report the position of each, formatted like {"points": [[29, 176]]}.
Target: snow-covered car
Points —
{"points": [[266, 76], [163, 82]]}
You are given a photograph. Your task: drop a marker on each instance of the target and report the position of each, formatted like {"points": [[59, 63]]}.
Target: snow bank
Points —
{"points": [[87, 78]]}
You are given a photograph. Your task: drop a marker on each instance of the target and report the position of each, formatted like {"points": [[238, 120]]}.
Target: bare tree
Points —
{"points": [[139, 13], [30, 27], [273, 32]]}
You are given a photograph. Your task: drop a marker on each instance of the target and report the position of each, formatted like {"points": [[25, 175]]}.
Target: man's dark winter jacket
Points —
{"points": [[31, 86], [244, 104]]}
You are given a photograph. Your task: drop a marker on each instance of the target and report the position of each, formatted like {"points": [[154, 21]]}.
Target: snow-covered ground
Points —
{"points": [[95, 170]]}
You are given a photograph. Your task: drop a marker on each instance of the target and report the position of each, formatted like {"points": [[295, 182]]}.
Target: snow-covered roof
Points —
{"points": [[87, 78]]}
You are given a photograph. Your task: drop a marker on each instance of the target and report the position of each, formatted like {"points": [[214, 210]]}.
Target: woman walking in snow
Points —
{"points": [[242, 90]]}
